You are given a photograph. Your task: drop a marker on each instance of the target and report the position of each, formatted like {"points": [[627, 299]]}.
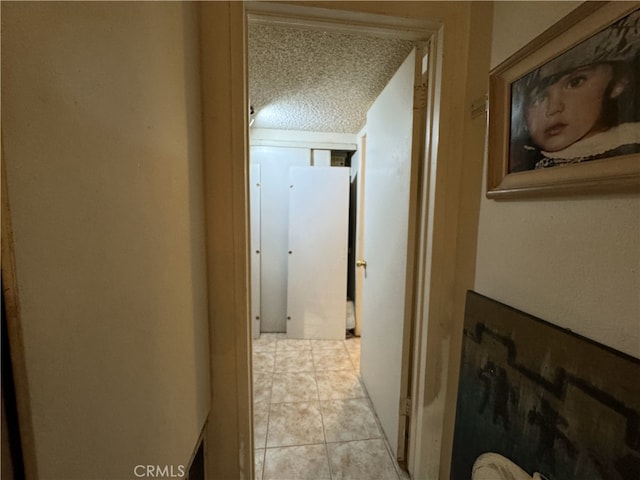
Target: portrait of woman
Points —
{"points": [[583, 105]]}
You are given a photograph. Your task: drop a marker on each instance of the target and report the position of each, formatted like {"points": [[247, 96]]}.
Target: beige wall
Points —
{"points": [[101, 132], [572, 261]]}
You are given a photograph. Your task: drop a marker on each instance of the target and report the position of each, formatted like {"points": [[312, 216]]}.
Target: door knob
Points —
{"points": [[361, 263]]}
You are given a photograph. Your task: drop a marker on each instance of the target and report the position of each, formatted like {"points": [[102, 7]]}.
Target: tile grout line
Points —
{"points": [[264, 460], [383, 436], [266, 435], [324, 431], [269, 403], [323, 427]]}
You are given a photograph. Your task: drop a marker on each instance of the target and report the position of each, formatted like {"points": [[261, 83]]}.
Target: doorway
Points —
{"points": [[417, 146], [443, 274]]}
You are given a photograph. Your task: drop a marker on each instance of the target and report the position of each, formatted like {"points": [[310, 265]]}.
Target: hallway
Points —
{"points": [[312, 418]]}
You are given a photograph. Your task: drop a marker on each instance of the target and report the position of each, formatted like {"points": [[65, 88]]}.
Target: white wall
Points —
{"points": [[572, 261], [302, 139], [102, 144]]}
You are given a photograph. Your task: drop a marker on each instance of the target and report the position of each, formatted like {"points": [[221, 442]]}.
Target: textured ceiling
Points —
{"points": [[315, 80]]}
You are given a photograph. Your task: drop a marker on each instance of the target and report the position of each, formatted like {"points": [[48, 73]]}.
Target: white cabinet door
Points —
{"points": [[318, 238], [387, 178], [274, 205], [254, 209]]}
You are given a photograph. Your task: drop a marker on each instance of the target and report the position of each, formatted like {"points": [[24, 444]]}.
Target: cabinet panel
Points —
{"points": [[274, 213], [318, 235], [254, 205]]}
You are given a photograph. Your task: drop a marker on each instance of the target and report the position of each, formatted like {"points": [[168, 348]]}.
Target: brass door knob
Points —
{"points": [[361, 263]]}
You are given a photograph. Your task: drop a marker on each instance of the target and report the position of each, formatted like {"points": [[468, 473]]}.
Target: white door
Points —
{"points": [[318, 244], [254, 209], [274, 204], [387, 178]]}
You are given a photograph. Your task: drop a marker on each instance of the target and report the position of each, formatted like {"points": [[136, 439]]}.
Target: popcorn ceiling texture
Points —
{"points": [[314, 80]]}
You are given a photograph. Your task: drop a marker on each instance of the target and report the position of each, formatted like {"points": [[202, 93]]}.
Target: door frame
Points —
{"points": [[11, 300], [362, 159], [446, 230], [422, 35], [228, 437]]}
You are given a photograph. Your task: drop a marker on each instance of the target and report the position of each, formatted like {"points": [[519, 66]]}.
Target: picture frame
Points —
{"points": [[584, 49], [537, 401]]}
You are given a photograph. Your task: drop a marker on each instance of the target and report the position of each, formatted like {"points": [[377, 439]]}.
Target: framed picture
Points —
{"points": [[538, 402], [564, 111]]}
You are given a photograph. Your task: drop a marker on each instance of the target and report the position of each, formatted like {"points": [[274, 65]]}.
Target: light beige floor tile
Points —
{"points": [[353, 348], [260, 422], [273, 336], [362, 460], [352, 342], [352, 345], [266, 343], [298, 423], [332, 360], [259, 462], [308, 462], [350, 419], [294, 387], [292, 344], [294, 361], [262, 382], [339, 384], [264, 362], [327, 344], [355, 360], [402, 474]]}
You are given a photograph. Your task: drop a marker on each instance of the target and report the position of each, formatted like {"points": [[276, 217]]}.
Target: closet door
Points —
{"points": [[274, 205], [254, 209], [317, 267]]}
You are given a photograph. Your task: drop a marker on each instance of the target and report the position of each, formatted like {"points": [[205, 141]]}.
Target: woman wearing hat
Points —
{"points": [[581, 106]]}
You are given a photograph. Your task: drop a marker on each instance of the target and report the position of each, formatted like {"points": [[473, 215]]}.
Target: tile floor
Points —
{"points": [[312, 418]]}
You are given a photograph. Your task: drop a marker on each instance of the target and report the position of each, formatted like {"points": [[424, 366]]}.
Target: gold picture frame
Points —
{"points": [[591, 33]]}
